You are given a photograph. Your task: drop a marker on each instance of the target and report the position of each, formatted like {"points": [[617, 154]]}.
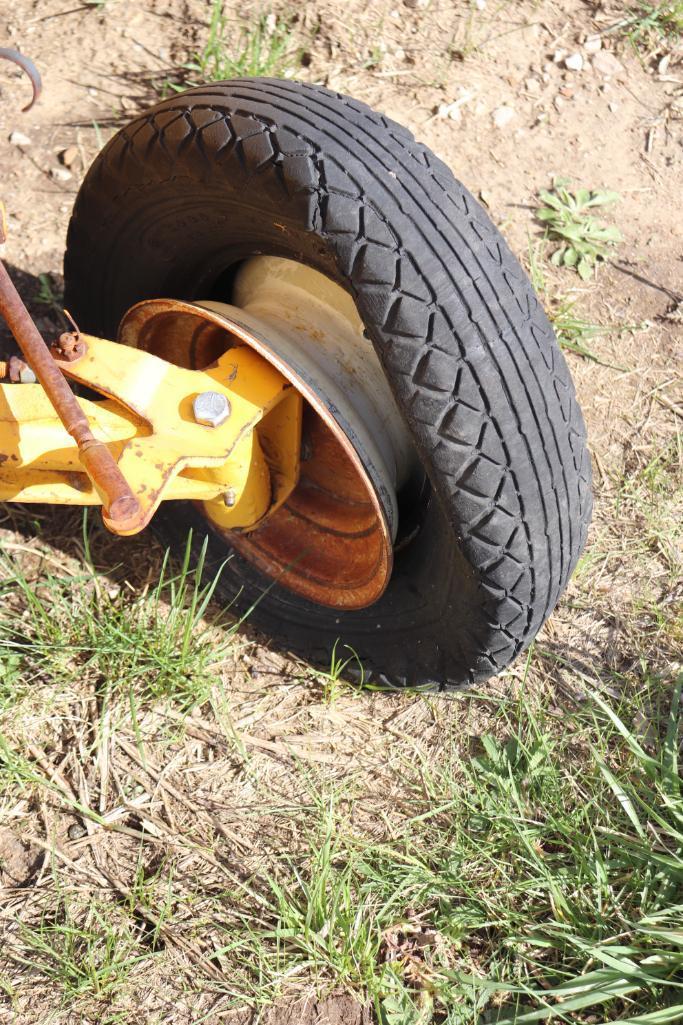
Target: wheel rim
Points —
{"points": [[332, 540]]}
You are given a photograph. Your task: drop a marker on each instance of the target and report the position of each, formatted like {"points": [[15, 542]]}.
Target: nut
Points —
{"points": [[20, 372], [211, 408], [68, 348]]}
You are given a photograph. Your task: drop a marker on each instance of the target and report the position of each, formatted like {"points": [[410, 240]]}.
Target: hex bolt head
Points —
{"points": [[229, 497], [211, 408]]}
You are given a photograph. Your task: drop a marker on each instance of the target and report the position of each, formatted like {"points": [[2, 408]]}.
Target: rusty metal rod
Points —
{"points": [[120, 503]]}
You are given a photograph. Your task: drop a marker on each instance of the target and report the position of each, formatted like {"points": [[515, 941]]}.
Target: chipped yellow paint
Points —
{"points": [[147, 422]]}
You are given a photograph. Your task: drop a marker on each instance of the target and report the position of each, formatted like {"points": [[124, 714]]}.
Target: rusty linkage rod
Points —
{"points": [[121, 506]]}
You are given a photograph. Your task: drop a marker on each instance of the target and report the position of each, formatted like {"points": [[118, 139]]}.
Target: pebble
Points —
{"points": [[605, 63], [558, 103], [613, 106], [69, 156], [449, 110], [19, 139], [76, 831], [420, 5], [574, 62], [593, 44], [60, 174], [502, 116], [532, 85]]}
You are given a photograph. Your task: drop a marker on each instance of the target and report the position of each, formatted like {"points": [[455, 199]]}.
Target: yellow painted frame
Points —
{"points": [[147, 421]]}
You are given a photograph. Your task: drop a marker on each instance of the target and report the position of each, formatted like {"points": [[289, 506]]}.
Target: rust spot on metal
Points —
{"points": [[79, 481], [327, 542], [15, 368], [69, 347]]}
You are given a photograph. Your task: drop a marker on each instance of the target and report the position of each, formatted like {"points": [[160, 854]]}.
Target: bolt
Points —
{"points": [[20, 372], [230, 498], [211, 408], [26, 376], [68, 347]]}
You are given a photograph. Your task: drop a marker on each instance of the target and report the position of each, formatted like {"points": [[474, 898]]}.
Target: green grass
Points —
{"points": [[528, 869], [140, 646], [81, 951], [574, 332], [648, 25], [264, 48], [583, 240], [540, 889]]}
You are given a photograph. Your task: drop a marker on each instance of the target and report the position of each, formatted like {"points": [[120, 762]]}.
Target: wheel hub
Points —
{"points": [[331, 541]]}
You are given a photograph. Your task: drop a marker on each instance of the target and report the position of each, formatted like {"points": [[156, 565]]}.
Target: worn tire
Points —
{"points": [[224, 171]]}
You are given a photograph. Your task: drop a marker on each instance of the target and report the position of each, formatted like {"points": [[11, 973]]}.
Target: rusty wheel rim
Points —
{"points": [[331, 542]]}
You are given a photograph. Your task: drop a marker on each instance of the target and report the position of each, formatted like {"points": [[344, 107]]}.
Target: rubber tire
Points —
{"points": [[206, 178]]}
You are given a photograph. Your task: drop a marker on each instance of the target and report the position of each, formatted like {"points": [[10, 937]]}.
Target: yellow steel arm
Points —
{"points": [[148, 422]]}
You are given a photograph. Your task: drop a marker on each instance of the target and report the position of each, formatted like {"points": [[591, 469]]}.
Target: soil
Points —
{"points": [[486, 86], [18, 860]]}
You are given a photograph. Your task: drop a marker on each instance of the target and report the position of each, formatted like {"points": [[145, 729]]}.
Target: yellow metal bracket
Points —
{"points": [[244, 468]]}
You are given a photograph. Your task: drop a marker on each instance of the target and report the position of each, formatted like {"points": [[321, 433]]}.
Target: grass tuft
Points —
{"points": [[648, 25], [155, 644], [263, 49]]}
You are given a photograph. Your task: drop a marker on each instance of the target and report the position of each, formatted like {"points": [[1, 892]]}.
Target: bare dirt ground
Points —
{"points": [[215, 795]]}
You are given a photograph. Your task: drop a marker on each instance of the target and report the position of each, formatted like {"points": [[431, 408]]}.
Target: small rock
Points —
{"points": [[613, 106], [19, 139], [532, 85], [605, 63], [76, 831], [574, 62], [559, 56], [567, 92], [449, 110], [69, 156], [420, 5], [502, 116], [663, 65], [60, 174], [558, 103], [400, 54], [592, 44]]}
